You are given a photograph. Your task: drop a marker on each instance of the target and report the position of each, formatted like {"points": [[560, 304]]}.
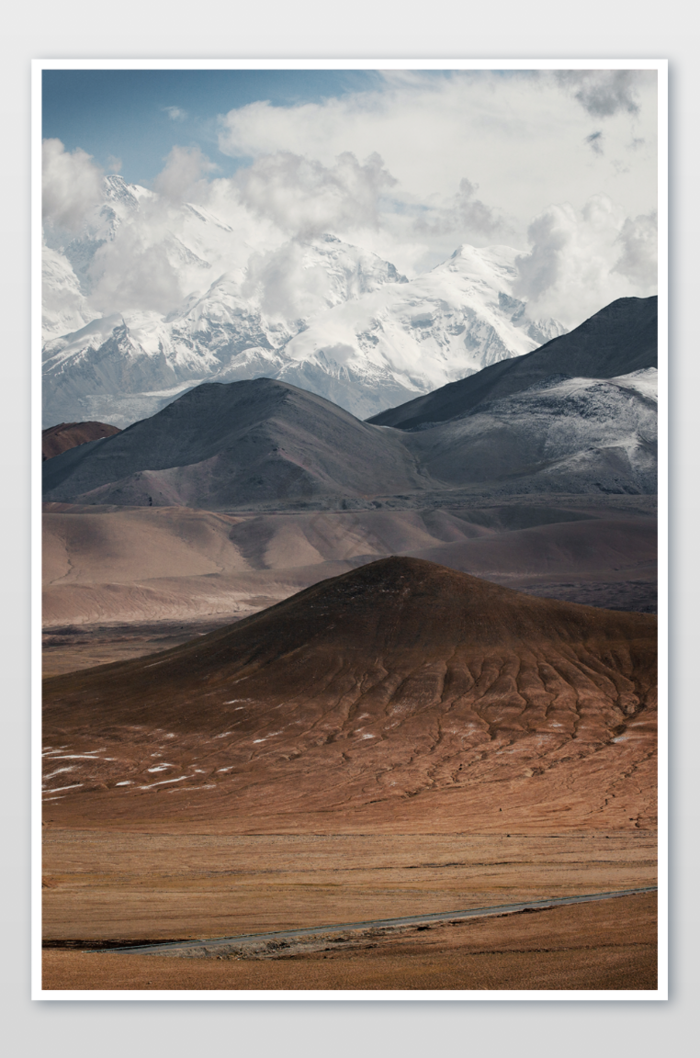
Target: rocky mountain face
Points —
{"points": [[320, 314], [577, 415], [565, 435]]}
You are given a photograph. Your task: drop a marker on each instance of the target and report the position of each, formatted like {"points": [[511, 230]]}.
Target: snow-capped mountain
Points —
{"points": [[64, 305], [560, 435], [321, 314]]}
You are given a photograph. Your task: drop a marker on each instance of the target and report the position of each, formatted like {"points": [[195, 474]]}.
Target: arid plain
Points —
{"points": [[402, 739]]}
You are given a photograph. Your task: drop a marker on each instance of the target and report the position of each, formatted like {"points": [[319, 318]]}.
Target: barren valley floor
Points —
{"points": [[120, 886], [409, 741]]}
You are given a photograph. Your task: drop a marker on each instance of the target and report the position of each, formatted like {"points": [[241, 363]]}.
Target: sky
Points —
{"points": [[138, 116], [561, 165]]}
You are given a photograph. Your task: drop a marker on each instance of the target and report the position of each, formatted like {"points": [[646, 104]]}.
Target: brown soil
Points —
{"points": [[402, 696], [65, 435], [606, 945], [399, 740], [114, 885]]}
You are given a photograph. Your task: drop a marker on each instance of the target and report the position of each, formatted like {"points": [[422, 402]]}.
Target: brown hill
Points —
{"points": [[65, 435], [401, 694]]}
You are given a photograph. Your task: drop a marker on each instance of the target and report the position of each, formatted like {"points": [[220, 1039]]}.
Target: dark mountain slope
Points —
{"points": [[565, 435], [621, 338], [230, 445]]}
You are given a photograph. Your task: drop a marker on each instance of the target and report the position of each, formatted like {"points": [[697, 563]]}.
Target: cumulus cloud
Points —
{"points": [[71, 185], [582, 260], [134, 271], [304, 197], [464, 217], [284, 285], [520, 136], [639, 258], [185, 168], [603, 93]]}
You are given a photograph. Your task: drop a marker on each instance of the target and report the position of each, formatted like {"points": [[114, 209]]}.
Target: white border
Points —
{"points": [[661, 66]]}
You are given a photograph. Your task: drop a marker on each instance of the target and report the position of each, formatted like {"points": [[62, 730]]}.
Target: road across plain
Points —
{"points": [[382, 923]]}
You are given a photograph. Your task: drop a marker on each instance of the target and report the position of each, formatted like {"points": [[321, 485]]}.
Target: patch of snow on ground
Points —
{"points": [[161, 783], [90, 755], [57, 772]]}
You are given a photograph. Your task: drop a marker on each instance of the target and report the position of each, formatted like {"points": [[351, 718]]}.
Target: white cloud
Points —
{"points": [[134, 271], [185, 168], [520, 136], [603, 93], [71, 185], [582, 260], [284, 285], [304, 197], [465, 218], [595, 141], [639, 259]]}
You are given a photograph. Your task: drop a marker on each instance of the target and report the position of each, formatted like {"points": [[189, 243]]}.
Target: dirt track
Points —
{"points": [[606, 945]]}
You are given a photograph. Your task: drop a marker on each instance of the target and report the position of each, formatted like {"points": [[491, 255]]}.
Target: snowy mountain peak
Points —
{"points": [[197, 303]]}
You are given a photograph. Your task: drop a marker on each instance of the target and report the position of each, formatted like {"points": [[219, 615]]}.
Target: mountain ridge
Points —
{"points": [[221, 444], [576, 354], [265, 444], [319, 313]]}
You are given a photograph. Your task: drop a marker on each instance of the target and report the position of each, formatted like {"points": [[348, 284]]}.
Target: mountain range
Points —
{"points": [[577, 415], [619, 340], [318, 313]]}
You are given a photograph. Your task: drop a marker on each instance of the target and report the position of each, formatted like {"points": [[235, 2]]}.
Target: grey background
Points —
{"points": [[368, 28]]}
